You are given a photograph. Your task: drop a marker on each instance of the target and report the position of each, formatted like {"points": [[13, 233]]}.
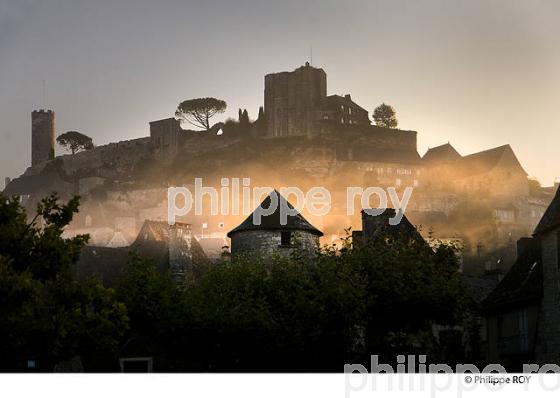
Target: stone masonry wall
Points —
{"points": [[268, 242]]}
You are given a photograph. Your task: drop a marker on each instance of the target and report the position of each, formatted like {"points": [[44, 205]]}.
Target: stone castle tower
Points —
{"points": [[291, 99], [42, 136]]}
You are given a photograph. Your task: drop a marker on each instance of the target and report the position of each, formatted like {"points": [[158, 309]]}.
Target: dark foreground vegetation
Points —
{"points": [[295, 314]]}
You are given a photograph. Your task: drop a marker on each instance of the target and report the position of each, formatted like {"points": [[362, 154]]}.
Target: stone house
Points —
{"points": [[170, 247], [495, 171], [378, 226], [272, 236]]}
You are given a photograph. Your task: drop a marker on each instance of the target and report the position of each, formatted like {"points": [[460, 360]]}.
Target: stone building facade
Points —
{"points": [[172, 248], [165, 137], [42, 136]]}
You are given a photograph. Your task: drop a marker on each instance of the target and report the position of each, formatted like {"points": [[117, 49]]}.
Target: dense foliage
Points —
{"points": [[384, 116], [75, 141], [45, 315], [294, 313], [199, 111], [298, 313]]}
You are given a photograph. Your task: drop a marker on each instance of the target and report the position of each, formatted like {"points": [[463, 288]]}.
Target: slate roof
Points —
{"points": [[107, 263], [482, 162], [379, 226], [522, 283], [272, 222], [157, 231], [441, 154], [551, 217]]}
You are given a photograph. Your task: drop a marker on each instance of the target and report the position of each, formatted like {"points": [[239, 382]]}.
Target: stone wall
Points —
{"points": [[290, 99], [109, 161], [268, 242]]}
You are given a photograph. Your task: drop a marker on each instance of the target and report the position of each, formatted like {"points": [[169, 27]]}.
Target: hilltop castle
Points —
{"points": [[296, 104], [303, 136]]}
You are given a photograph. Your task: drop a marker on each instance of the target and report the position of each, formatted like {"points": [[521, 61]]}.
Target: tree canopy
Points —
{"points": [[252, 313], [199, 111], [298, 313], [75, 141], [45, 314], [384, 116]]}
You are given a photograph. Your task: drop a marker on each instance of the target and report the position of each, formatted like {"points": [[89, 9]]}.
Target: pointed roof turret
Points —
{"points": [[272, 222]]}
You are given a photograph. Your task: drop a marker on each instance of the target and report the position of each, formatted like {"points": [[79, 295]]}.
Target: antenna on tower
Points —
{"points": [[44, 94], [311, 55]]}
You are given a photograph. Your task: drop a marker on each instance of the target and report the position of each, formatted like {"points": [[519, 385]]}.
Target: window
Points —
{"points": [[285, 238]]}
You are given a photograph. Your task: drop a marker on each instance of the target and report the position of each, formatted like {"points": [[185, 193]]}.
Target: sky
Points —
{"points": [[477, 74]]}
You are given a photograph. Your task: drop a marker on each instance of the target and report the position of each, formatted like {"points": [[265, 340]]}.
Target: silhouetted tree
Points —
{"points": [[199, 111], [75, 141], [261, 123], [298, 313], [45, 314], [245, 118], [384, 116]]}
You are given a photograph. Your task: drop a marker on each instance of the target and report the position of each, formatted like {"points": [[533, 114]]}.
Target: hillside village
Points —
{"points": [[504, 224], [318, 139]]}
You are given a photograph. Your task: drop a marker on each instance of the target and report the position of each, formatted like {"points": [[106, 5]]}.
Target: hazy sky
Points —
{"points": [[476, 73]]}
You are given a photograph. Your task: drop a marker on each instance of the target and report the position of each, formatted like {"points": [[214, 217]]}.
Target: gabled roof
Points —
{"points": [[379, 227], [157, 231], [522, 283], [441, 154], [551, 217], [272, 222], [337, 100], [482, 162]]}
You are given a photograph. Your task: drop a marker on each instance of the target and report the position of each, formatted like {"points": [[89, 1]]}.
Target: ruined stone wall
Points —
{"points": [[109, 161], [164, 135]]}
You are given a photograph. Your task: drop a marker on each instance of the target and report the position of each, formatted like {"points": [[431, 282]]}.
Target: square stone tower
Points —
{"points": [[42, 136], [291, 100]]}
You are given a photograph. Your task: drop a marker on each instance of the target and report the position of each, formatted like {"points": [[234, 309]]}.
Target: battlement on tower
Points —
{"points": [[43, 111]]}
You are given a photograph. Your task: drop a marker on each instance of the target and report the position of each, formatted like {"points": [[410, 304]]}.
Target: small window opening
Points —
{"points": [[285, 238]]}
